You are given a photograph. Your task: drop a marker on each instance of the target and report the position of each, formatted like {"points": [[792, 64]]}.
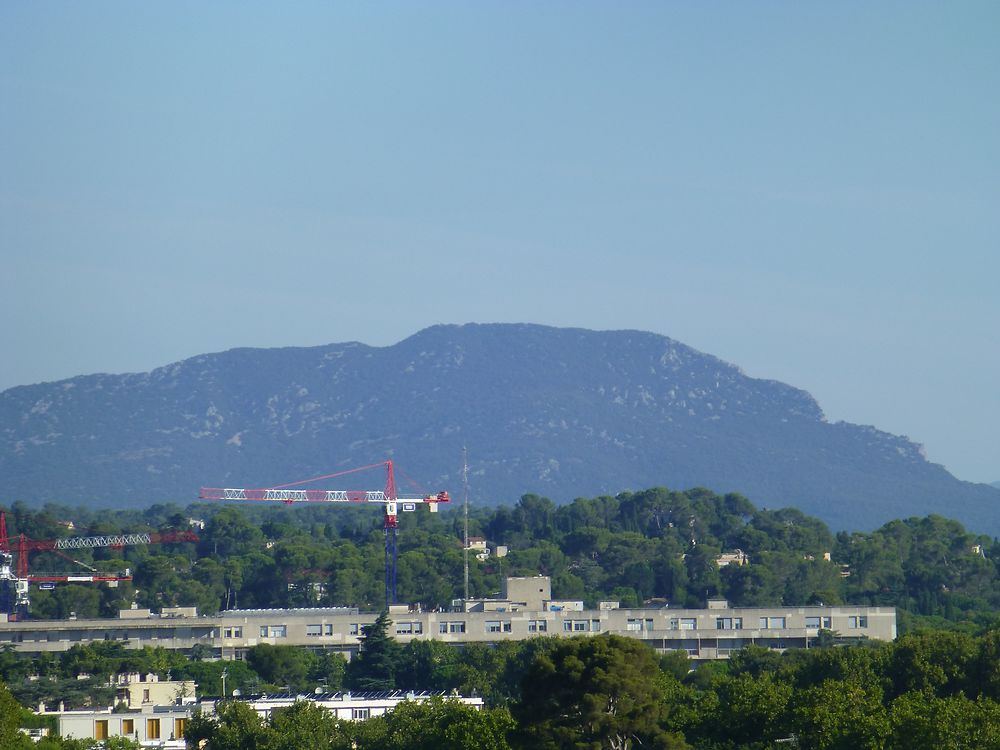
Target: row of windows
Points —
{"points": [[581, 626], [763, 623], [636, 624], [633, 624], [319, 629], [101, 728]]}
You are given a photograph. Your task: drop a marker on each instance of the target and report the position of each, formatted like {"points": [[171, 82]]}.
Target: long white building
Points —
{"points": [[525, 611]]}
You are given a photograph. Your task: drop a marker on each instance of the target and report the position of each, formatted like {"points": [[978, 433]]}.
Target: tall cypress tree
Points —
{"points": [[374, 668]]}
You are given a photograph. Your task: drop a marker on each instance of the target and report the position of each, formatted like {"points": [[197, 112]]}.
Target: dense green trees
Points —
{"points": [[436, 724], [654, 544], [941, 688], [929, 689], [605, 691]]}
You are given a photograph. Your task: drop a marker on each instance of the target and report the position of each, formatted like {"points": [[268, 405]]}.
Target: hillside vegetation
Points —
{"points": [[656, 545]]}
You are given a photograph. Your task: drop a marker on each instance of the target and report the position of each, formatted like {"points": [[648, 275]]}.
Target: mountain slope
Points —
{"points": [[559, 412]]}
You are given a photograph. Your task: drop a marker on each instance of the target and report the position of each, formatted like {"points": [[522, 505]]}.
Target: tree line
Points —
{"points": [[656, 545], [928, 689]]}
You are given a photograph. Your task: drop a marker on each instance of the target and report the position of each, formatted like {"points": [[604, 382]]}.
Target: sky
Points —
{"points": [[807, 190]]}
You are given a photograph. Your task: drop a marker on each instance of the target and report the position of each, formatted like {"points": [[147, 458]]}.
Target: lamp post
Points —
{"points": [[225, 674]]}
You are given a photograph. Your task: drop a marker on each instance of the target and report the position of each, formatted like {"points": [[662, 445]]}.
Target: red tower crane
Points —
{"points": [[388, 498], [23, 546]]}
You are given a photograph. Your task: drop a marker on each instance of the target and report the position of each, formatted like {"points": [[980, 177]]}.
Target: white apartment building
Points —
{"points": [[525, 610]]}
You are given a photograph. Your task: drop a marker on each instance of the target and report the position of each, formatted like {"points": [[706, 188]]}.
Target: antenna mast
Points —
{"points": [[465, 485]]}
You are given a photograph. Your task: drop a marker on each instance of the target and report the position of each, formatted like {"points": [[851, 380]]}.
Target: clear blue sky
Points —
{"points": [[808, 190]]}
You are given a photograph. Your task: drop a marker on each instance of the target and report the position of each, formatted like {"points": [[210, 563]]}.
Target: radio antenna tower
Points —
{"points": [[465, 486]]}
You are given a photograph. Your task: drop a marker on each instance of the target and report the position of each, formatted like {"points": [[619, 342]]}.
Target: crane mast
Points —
{"points": [[387, 497]]}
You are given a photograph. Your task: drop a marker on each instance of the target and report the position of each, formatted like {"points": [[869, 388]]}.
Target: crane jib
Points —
{"points": [[113, 540], [313, 496]]}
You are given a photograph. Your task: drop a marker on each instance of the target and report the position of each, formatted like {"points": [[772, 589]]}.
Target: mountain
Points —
{"points": [[557, 412]]}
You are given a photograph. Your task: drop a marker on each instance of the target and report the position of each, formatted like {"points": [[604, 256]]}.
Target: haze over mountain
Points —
{"points": [[557, 412]]}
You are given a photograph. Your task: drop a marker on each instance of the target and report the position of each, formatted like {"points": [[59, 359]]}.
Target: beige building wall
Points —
{"points": [[702, 633]]}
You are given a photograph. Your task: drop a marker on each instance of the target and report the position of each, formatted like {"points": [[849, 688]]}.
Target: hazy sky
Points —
{"points": [[808, 190]]}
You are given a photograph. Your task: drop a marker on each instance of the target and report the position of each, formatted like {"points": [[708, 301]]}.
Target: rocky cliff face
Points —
{"points": [[558, 412]]}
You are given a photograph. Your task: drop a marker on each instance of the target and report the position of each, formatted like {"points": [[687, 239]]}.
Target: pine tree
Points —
{"points": [[374, 667]]}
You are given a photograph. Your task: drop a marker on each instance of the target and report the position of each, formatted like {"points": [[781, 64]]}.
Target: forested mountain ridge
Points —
{"points": [[559, 412]]}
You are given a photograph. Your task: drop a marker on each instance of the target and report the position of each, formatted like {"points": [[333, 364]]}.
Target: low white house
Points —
{"points": [[163, 726]]}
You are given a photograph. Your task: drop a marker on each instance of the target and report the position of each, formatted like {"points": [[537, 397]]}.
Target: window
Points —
{"points": [[101, 729], [763, 623], [567, 626], [675, 624], [360, 714], [595, 626], [279, 631], [649, 623], [233, 632], [179, 727], [723, 623], [409, 628], [633, 624], [689, 623], [314, 629], [145, 695], [537, 626], [860, 621], [128, 726], [328, 629], [354, 628], [442, 627], [580, 626], [827, 623], [451, 627], [263, 631], [152, 729], [777, 623], [818, 622], [492, 626]]}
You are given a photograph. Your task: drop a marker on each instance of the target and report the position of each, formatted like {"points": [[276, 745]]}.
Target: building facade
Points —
{"points": [[162, 726], [525, 611]]}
